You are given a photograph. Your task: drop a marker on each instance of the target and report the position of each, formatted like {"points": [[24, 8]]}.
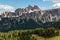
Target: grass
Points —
{"points": [[4, 35], [41, 38]]}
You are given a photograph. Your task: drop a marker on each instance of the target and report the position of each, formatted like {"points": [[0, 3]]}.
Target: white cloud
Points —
{"points": [[56, 5], [54, 1], [6, 7]]}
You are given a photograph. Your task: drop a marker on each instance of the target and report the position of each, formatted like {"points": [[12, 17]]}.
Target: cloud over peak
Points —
{"points": [[6, 7], [56, 5]]}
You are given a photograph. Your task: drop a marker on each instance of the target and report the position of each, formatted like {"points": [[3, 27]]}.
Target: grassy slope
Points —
{"points": [[41, 38], [33, 35]]}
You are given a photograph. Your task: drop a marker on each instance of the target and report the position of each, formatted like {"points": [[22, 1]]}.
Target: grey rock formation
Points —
{"points": [[35, 12]]}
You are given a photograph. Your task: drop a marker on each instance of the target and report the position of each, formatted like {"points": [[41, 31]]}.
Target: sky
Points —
{"points": [[12, 5]]}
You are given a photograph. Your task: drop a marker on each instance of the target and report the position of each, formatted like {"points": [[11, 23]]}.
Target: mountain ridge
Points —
{"points": [[34, 12]]}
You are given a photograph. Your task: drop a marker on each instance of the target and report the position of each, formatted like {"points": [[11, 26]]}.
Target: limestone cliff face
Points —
{"points": [[35, 12], [51, 14]]}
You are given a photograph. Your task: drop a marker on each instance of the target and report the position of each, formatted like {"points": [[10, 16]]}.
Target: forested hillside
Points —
{"points": [[7, 24]]}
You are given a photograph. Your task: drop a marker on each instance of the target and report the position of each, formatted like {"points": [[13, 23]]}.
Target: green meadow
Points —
{"points": [[33, 34]]}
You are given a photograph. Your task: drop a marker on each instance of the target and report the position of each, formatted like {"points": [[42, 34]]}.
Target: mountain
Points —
{"points": [[52, 14], [35, 13], [29, 18]]}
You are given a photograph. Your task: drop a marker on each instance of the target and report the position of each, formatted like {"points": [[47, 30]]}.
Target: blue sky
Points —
{"points": [[43, 4], [24, 3]]}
